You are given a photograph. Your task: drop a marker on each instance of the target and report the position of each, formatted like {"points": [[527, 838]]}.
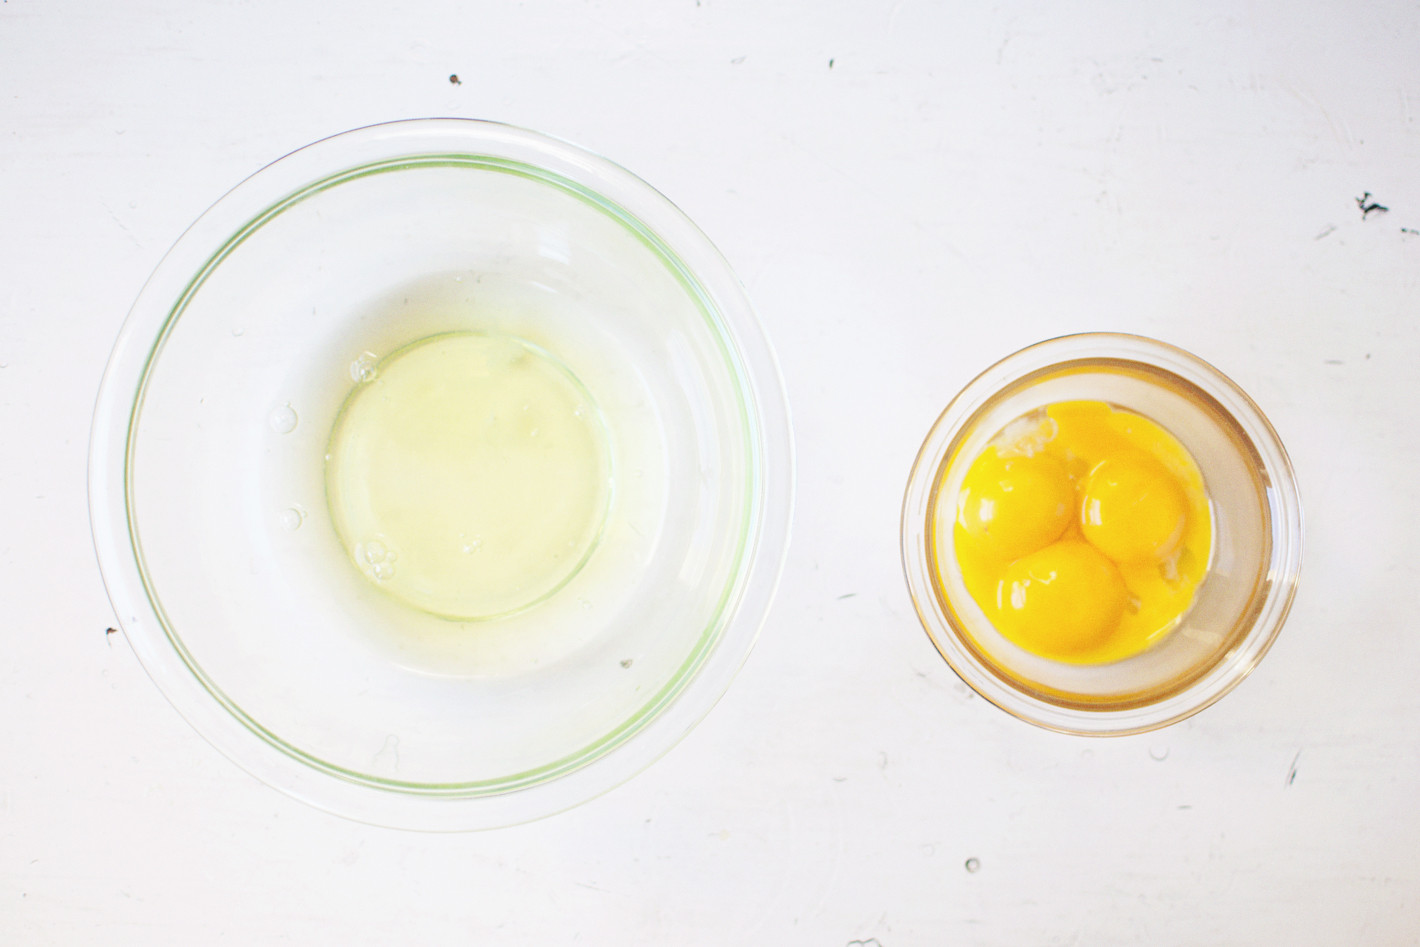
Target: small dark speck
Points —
{"points": [[1185, 807], [846, 595], [1292, 770], [1333, 361], [1369, 206], [110, 631], [737, 60], [1410, 230], [454, 79], [1368, 355], [830, 64], [1331, 229], [626, 663]]}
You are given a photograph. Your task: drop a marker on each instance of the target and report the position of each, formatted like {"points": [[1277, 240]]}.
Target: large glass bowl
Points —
{"points": [[208, 492], [1257, 536]]}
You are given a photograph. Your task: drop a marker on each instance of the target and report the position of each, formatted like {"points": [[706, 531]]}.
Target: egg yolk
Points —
{"points": [[1132, 510], [1010, 506], [1083, 531], [1061, 600]]}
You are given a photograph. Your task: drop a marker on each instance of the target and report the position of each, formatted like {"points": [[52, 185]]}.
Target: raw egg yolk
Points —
{"points": [[1061, 600], [1082, 531], [1010, 506], [1132, 510]]}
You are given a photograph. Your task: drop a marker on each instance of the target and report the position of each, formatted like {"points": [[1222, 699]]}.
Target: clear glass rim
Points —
{"points": [[1284, 510], [724, 643]]}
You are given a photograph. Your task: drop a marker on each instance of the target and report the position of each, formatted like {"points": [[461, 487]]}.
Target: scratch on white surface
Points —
{"points": [[121, 226], [771, 910], [888, 607], [923, 242], [1116, 132], [388, 756], [836, 866], [1340, 131], [590, 887], [892, 14], [1292, 770], [857, 184]]}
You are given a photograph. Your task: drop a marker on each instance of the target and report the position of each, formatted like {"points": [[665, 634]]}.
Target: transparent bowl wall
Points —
{"points": [[269, 640], [1252, 572]]}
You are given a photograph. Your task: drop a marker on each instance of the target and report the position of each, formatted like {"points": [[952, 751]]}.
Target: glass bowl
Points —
{"points": [[208, 475], [1250, 580]]}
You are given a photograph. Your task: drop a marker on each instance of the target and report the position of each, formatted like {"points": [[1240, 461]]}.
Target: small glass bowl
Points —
{"points": [[208, 494], [1257, 536]]}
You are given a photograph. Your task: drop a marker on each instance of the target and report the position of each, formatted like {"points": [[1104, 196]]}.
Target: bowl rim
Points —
{"points": [[694, 261], [1282, 499]]}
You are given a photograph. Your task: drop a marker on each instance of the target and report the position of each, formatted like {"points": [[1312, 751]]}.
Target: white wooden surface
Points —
{"points": [[909, 190]]}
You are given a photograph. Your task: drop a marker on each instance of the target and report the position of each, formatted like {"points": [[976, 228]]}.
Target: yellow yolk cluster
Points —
{"points": [[1083, 531]]}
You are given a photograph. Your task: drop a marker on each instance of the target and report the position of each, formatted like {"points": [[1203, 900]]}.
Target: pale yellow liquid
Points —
{"points": [[468, 475]]}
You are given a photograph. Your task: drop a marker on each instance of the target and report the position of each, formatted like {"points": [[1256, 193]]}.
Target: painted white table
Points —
{"points": [[909, 191]]}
